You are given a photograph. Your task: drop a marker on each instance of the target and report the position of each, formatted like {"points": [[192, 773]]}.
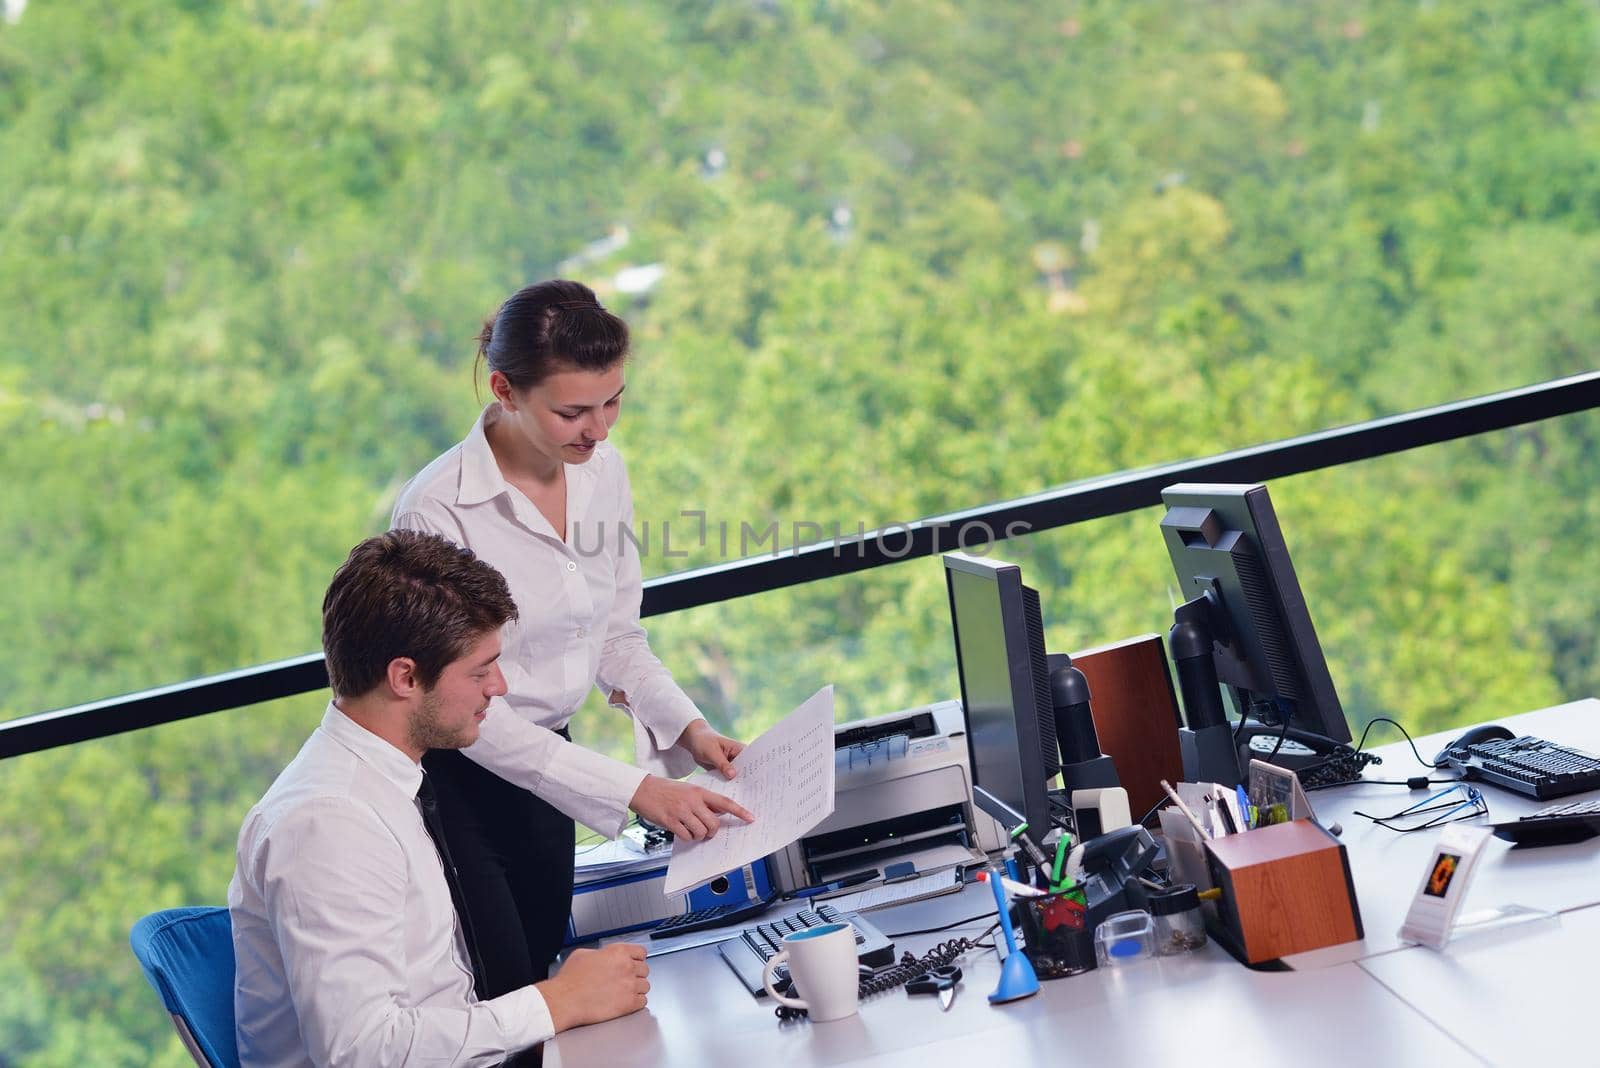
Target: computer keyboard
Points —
{"points": [[1529, 766], [708, 918], [748, 953], [1570, 821]]}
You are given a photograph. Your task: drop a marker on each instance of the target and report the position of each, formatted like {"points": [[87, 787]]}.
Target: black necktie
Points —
{"points": [[435, 828]]}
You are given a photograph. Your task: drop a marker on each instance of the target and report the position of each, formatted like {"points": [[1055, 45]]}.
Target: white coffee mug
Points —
{"points": [[822, 961]]}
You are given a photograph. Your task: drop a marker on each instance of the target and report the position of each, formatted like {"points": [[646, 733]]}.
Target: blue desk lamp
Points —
{"points": [[1017, 978]]}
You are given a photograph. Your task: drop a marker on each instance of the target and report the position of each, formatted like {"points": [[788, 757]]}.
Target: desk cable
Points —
{"points": [[1396, 725], [1415, 782]]}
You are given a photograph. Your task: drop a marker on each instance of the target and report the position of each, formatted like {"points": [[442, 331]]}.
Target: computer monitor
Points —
{"points": [[1236, 577], [1005, 690]]}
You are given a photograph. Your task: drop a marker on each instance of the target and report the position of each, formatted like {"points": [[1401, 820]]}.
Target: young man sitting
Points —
{"points": [[349, 947]]}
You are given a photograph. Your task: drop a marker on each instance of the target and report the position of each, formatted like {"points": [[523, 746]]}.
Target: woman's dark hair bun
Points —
{"points": [[551, 326], [485, 336]]}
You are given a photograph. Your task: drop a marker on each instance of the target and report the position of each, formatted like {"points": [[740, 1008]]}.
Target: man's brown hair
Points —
{"points": [[408, 594]]}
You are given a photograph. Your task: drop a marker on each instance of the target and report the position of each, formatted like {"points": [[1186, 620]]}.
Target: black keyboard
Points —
{"points": [[706, 919], [748, 954], [1570, 821], [1529, 766]]}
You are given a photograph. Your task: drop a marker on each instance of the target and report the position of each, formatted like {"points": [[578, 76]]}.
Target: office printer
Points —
{"points": [[903, 792]]}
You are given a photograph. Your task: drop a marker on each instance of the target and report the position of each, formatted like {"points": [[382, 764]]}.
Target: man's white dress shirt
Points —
{"points": [[347, 946], [578, 624]]}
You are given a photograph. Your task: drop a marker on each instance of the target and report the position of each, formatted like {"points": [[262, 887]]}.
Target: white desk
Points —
{"points": [[1387, 866], [1519, 996], [1370, 1003], [700, 1014]]}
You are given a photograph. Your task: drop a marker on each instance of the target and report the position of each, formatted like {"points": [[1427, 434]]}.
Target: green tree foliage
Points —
{"points": [[917, 257]]}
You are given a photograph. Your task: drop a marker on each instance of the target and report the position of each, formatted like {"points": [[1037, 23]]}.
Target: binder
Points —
{"points": [[635, 901]]}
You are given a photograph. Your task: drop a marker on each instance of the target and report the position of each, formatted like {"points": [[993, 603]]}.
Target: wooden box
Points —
{"points": [[1285, 889]]}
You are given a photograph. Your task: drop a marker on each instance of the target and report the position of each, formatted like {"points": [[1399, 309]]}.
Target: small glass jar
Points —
{"points": [[1126, 938], [1179, 927]]}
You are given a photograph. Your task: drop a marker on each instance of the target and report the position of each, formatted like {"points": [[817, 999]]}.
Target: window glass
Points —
{"points": [[879, 265]]}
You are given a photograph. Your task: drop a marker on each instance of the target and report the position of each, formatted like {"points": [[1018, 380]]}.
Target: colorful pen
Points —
{"points": [[1062, 845], [1012, 886], [1225, 814], [1244, 809]]}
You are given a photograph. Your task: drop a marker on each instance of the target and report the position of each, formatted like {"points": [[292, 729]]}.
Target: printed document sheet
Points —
{"points": [[785, 779]]}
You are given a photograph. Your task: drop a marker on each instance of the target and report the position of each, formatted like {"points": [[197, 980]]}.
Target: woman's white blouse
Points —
{"points": [[577, 626]]}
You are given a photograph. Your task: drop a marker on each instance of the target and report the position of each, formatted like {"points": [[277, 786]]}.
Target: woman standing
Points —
{"points": [[537, 491]]}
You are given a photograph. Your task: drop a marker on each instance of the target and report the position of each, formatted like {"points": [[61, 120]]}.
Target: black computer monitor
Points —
{"points": [[1005, 690], [1236, 578]]}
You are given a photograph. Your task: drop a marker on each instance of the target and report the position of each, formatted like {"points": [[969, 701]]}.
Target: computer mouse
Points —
{"points": [[1485, 732]]}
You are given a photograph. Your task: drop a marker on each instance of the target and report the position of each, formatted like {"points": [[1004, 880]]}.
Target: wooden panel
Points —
{"points": [[1135, 714]]}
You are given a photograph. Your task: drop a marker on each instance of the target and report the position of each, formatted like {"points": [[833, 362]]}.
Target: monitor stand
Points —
{"points": [[1213, 749], [1209, 756], [1206, 744], [1083, 765]]}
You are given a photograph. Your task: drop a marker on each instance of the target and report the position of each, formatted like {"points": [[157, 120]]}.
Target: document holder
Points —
{"points": [[1285, 889]]}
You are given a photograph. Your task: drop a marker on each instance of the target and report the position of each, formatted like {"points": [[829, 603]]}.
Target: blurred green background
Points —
{"points": [[882, 260]]}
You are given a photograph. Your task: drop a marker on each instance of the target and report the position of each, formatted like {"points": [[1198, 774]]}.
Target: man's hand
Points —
{"points": [[691, 812], [595, 985], [710, 750]]}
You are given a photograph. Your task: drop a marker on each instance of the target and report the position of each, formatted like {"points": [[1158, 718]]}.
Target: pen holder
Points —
{"points": [[1285, 889], [1056, 935]]}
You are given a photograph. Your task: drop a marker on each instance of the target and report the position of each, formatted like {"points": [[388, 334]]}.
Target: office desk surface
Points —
{"points": [[1371, 1002], [1518, 996], [1159, 1011], [1387, 867]]}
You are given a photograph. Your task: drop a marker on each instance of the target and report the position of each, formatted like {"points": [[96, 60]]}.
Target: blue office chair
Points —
{"points": [[187, 954]]}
